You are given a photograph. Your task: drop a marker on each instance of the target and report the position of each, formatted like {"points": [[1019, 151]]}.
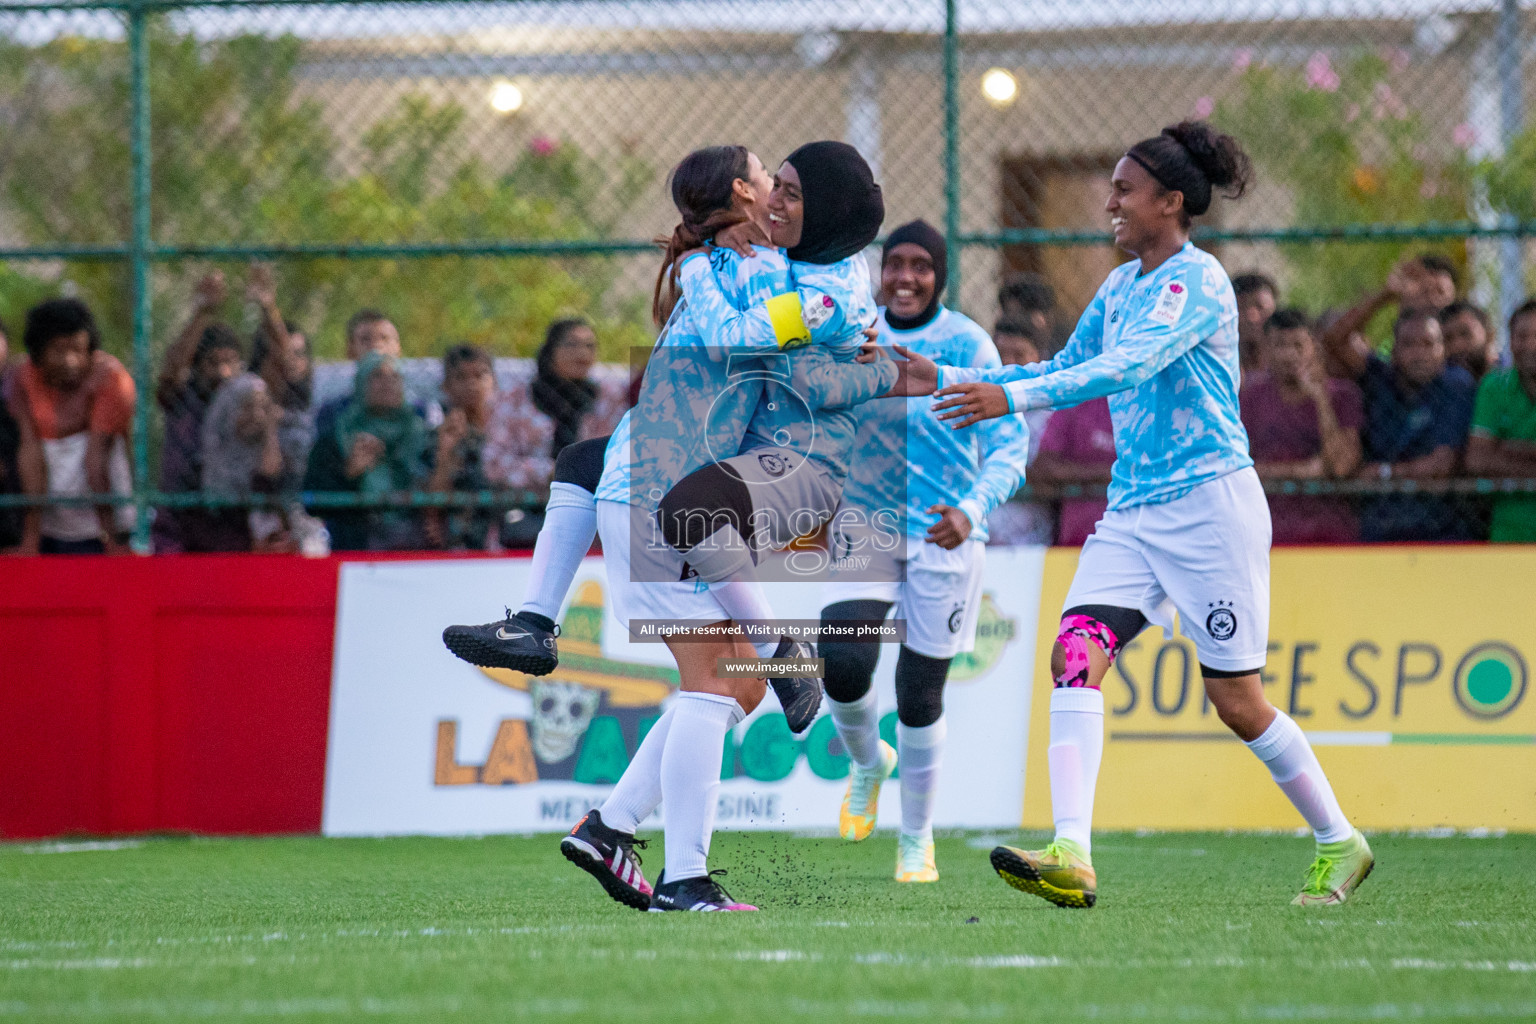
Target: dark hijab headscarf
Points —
{"points": [[843, 204], [563, 400], [922, 234]]}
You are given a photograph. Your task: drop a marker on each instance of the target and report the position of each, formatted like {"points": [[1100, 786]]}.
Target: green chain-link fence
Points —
{"points": [[477, 169]]}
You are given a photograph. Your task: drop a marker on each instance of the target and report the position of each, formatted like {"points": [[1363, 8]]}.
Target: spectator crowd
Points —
{"points": [[1355, 441]]}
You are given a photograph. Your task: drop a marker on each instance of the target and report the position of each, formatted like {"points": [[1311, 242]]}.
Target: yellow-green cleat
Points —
{"points": [[861, 801], [914, 859], [1337, 872], [1061, 873]]}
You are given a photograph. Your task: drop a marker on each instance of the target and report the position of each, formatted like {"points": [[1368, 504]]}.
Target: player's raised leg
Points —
{"points": [[525, 641], [850, 672]]}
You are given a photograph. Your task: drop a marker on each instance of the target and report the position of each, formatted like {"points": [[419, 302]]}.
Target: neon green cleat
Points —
{"points": [[861, 803], [1338, 871], [1061, 873], [914, 859]]}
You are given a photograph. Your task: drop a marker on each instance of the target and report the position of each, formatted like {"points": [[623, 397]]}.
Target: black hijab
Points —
{"points": [[922, 234], [843, 205], [563, 400]]}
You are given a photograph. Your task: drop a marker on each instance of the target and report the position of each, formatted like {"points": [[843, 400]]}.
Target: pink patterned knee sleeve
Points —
{"points": [[1076, 633]]}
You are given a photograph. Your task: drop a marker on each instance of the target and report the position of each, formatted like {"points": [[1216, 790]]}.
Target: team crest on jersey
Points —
{"points": [[1222, 622], [1170, 304], [956, 618], [773, 465]]}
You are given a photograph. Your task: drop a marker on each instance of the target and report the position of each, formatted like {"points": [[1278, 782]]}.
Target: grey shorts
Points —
{"points": [[791, 495]]}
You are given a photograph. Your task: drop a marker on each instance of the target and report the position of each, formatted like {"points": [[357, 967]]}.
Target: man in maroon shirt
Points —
{"points": [[1302, 425], [1078, 448]]}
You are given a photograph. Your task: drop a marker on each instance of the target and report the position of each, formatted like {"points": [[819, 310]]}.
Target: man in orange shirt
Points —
{"points": [[77, 402]]}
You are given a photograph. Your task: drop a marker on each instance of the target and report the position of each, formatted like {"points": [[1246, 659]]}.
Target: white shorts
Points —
{"points": [[937, 592], [645, 580], [1205, 555]]}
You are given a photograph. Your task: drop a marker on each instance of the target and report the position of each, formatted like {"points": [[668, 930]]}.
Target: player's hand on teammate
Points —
{"points": [[971, 403], [916, 375], [740, 238], [952, 529]]}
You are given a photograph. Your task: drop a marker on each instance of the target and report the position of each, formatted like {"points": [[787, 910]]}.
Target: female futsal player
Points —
{"points": [[1187, 527], [826, 209], [941, 485], [680, 757]]}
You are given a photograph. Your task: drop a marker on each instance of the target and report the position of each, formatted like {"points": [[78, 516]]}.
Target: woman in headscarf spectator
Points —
{"points": [[242, 458], [375, 447], [562, 404]]}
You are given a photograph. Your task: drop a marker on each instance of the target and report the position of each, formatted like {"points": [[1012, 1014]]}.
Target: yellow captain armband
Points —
{"points": [[784, 312]]}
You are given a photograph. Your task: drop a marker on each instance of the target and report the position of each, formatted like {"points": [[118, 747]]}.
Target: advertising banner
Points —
{"points": [[422, 743], [1408, 668]]}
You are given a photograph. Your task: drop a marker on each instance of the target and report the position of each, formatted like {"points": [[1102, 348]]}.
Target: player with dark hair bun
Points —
{"points": [[1188, 526]]}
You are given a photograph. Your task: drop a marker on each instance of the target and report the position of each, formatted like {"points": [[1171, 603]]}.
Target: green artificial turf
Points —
{"points": [[1188, 927]]}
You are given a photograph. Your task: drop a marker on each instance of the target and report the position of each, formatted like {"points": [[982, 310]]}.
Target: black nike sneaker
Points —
{"points": [[609, 856], [702, 893], [518, 642], [799, 696]]}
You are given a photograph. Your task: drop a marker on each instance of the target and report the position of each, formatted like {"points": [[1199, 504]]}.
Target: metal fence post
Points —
{"points": [[952, 147], [139, 257]]}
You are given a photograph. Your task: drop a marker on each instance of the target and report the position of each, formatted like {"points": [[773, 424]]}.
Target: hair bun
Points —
{"points": [[1219, 156]]}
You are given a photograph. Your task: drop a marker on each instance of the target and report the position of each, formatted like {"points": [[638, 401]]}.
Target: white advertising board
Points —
{"points": [[422, 743]]}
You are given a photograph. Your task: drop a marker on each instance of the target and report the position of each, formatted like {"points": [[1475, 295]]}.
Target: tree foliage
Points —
{"points": [[243, 153], [1349, 151]]}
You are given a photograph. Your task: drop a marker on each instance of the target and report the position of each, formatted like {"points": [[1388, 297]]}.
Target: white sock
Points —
{"points": [[690, 778], [1077, 747], [744, 601], [858, 726], [1286, 753], [570, 523], [639, 789], [919, 751]]}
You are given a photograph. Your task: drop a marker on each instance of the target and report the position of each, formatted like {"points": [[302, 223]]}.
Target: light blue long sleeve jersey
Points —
{"points": [[809, 405], [907, 459], [690, 408], [1163, 348]]}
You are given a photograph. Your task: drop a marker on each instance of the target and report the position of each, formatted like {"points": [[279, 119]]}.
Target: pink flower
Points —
{"points": [[1382, 91], [1464, 135], [1320, 73], [1204, 106], [1351, 112], [1242, 58], [542, 145], [1397, 57]]}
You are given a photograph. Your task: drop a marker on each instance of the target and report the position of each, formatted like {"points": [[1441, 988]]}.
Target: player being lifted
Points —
{"points": [[1187, 528], [940, 484]]}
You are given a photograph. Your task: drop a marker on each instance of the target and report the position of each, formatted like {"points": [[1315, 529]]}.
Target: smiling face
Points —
{"points": [[1141, 212], [907, 279], [786, 208]]}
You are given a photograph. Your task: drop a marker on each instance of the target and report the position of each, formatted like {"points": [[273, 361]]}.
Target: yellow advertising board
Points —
{"points": [[1409, 669]]}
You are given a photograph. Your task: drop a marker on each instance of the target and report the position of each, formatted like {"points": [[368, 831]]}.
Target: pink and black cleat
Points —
{"points": [[609, 856], [701, 893]]}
